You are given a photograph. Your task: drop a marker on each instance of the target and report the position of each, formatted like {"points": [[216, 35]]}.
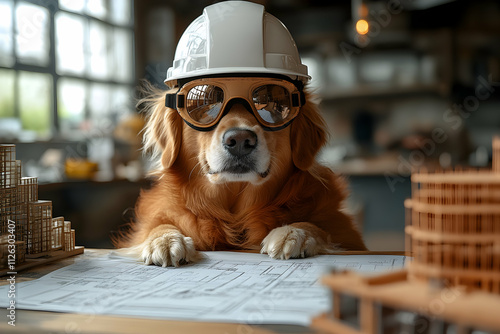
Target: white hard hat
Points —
{"points": [[236, 37]]}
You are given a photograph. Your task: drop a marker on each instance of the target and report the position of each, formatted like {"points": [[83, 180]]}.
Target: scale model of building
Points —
{"points": [[452, 285], [26, 221]]}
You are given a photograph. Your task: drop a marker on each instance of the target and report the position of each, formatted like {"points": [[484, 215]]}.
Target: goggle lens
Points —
{"points": [[272, 103], [204, 103]]}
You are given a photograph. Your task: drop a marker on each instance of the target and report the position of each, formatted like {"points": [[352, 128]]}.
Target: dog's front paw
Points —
{"points": [[169, 249], [289, 242]]}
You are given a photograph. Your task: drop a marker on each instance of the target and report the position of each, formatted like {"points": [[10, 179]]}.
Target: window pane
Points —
{"points": [[35, 101], [121, 100], [120, 12], [99, 51], [122, 45], [99, 101], [76, 6], [70, 32], [72, 97], [101, 122], [6, 56], [32, 38], [97, 8], [6, 93]]}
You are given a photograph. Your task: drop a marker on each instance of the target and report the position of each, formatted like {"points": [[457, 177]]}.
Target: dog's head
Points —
{"points": [[238, 149]]}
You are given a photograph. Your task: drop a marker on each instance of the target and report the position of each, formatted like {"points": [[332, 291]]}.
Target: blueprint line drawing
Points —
{"points": [[224, 287]]}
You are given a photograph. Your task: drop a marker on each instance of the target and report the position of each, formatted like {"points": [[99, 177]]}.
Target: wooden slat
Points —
{"points": [[462, 273], [436, 236], [455, 209], [454, 177]]}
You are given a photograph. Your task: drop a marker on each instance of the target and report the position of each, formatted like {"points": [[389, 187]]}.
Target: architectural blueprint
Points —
{"points": [[224, 287]]}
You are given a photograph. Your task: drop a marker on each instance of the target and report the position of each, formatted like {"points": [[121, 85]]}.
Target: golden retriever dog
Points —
{"points": [[285, 203]]}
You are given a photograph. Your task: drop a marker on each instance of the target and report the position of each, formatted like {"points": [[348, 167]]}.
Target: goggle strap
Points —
{"points": [[295, 100], [180, 100], [171, 100]]}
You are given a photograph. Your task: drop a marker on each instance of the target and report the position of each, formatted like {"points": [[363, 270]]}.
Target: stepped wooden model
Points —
{"points": [[452, 284], [28, 234]]}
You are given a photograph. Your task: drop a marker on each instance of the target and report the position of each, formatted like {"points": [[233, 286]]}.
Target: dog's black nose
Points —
{"points": [[239, 142]]}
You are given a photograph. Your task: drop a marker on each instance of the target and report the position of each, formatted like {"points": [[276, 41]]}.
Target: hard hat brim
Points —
{"points": [[231, 70]]}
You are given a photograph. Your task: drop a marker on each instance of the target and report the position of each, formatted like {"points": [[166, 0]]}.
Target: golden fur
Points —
{"points": [[219, 215]]}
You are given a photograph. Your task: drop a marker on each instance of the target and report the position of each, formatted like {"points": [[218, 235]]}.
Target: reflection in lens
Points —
{"points": [[204, 102], [273, 103]]}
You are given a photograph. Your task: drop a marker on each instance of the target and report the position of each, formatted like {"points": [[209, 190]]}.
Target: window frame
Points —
{"points": [[18, 66]]}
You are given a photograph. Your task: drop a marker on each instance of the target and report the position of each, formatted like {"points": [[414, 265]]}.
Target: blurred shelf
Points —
{"points": [[387, 164], [381, 91], [381, 165]]}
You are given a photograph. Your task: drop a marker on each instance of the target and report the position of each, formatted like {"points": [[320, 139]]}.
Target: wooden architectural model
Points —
{"points": [[452, 284], [26, 221]]}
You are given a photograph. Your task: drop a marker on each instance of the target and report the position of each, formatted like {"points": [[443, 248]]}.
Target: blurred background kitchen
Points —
{"points": [[403, 84]]}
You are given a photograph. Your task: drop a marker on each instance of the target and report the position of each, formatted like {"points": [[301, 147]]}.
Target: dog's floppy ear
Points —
{"points": [[163, 132], [308, 134]]}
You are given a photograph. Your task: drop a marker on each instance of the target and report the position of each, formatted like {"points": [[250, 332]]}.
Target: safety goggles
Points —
{"points": [[203, 102]]}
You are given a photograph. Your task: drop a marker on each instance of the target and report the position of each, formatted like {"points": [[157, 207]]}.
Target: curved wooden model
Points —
{"points": [[454, 226], [452, 285]]}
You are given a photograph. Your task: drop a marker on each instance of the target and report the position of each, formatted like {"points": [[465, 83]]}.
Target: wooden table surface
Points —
{"points": [[53, 322]]}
